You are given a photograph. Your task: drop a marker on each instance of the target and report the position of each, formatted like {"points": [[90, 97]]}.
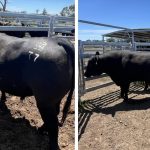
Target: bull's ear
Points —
{"points": [[97, 53]]}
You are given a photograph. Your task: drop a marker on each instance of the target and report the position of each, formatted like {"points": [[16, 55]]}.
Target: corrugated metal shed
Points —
{"points": [[139, 34]]}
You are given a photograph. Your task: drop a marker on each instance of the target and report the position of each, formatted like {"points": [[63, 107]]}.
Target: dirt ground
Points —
{"points": [[108, 123], [18, 129]]}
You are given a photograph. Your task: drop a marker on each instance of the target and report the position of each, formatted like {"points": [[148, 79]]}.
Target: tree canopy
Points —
{"points": [[3, 4], [68, 11], [44, 12]]}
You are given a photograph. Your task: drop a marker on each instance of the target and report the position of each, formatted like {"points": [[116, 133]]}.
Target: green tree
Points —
{"points": [[44, 12], [72, 10], [23, 12], [110, 40], [64, 11], [37, 11], [4, 4], [68, 11]]}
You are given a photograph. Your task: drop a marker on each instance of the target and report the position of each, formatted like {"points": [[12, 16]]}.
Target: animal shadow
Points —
{"points": [[101, 105], [19, 134]]}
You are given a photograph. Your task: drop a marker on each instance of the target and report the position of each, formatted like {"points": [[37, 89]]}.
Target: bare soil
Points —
{"points": [[106, 122], [18, 129]]}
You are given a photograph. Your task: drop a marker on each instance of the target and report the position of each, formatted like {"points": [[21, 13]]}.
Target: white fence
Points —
{"points": [[139, 46], [35, 22]]}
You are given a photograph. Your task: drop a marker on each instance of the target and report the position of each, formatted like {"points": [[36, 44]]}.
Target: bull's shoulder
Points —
{"points": [[112, 56]]}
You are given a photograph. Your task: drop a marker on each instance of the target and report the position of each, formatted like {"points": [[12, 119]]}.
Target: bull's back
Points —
{"points": [[136, 65], [124, 66]]}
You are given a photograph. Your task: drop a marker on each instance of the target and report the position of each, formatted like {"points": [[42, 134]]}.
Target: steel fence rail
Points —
{"points": [[52, 25], [102, 24]]}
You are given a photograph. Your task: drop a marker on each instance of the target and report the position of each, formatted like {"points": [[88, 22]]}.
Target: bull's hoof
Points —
{"points": [[42, 130], [126, 100], [130, 101], [4, 110], [53, 147], [60, 124], [121, 96]]}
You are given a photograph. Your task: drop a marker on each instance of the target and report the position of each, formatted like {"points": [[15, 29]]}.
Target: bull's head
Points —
{"points": [[93, 67]]}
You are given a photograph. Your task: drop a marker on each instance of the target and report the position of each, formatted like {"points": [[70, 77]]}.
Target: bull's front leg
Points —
{"points": [[124, 91]]}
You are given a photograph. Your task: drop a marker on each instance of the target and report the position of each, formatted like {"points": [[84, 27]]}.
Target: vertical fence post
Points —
{"points": [[133, 42], [51, 26], [81, 70], [103, 39]]}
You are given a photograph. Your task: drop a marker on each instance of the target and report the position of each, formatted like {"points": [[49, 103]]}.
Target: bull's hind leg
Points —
{"points": [[2, 102], [48, 111], [3, 97], [122, 92], [146, 86]]}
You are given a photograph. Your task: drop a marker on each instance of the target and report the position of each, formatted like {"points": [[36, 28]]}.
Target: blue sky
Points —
{"points": [[52, 6], [125, 13]]}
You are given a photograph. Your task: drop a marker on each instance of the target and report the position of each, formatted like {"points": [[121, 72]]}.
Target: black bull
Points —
{"points": [[123, 67], [43, 67]]}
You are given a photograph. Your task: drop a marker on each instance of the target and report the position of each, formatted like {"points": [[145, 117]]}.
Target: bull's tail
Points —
{"points": [[68, 102], [69, 48]]}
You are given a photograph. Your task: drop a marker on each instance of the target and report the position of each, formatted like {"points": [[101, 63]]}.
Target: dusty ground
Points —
{"points": [[108, 123], [18, 129]]}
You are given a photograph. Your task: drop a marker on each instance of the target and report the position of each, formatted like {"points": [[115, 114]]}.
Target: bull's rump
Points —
{"points": [[136, 66], [35, 62]]}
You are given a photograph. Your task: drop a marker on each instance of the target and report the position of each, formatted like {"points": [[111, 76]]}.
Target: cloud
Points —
{"points": [[94, 34], [14, 8]]}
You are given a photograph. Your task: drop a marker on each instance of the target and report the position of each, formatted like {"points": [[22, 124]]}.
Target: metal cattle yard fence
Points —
{"points": [[87, 49], [20, 22]]}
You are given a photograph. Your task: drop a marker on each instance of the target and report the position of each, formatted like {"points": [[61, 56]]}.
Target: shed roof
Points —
{"points": [[143, 34]]}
